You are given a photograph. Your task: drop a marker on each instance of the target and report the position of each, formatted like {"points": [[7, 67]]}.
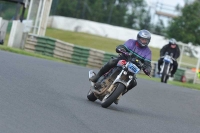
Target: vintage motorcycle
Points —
{"points": [[114, 83], [166, 67]]}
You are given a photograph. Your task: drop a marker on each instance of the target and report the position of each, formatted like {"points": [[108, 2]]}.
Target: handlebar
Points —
{"points": [[134, 60], [124, 52]]}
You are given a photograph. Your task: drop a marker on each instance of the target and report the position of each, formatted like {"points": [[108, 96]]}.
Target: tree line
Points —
{"points": [[186, 27], [134, 14]]}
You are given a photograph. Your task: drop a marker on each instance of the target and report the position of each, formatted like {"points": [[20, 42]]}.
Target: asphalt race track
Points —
{"points": [[42, 96]]}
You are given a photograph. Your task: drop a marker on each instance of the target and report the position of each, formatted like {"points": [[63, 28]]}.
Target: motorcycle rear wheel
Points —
{"points": [[91, 96], [110, 98]]}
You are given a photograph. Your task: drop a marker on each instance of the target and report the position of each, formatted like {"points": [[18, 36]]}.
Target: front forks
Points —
{"points": [[120, 81]]}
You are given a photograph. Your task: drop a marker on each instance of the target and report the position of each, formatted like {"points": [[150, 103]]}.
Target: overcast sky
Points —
{"points": [[169, 2], [168, 8]]}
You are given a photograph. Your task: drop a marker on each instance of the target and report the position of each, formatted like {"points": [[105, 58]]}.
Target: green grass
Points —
{"points": [[189, 60], [176, 83], [86, 40], [97, 42], [6, 40]]}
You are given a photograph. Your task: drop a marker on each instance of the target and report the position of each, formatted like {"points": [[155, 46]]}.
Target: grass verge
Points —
{"points": [[23, 52], [176, 83]]}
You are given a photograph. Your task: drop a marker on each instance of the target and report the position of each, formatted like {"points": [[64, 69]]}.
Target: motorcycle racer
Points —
{"points": [[169, 48], [140, 50]]}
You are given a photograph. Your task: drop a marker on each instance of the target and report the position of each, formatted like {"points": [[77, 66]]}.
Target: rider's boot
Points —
{"points": [[172, 75], [159, 64], [117, 100], [131, 86], [173, 72], [158, 72], [95, 78], [102, 71]]}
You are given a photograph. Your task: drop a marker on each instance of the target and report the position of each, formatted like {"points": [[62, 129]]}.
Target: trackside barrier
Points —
{"points": [[179, 74], [67, 51], [70, 52]]}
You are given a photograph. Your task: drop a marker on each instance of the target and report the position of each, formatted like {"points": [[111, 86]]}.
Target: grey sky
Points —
{"points": [[168, 2]]}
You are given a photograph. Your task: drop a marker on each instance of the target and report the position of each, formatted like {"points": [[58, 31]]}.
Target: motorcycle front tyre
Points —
{"points": [[165, 75], [110, 98]]}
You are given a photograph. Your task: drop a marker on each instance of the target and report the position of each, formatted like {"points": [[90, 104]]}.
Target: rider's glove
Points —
{"points": [[123, 51], [147, 70]]}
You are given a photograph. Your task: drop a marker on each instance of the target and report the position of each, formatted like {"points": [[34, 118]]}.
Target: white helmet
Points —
{"points": [[172, 41]]}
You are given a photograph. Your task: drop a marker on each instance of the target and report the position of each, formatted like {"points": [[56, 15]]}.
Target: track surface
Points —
{"points": [[41, 96]]}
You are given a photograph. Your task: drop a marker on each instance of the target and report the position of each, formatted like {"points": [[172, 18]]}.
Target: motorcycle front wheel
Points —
{"points": [[110, 98], [165, 75]]}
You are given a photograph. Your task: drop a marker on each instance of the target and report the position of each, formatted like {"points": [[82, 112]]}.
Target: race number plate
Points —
{"points": [[133, 68], [167, 58]]}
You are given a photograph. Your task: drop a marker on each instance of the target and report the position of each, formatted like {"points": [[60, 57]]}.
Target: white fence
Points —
{"points": [[106, 30], [3, 28]]}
